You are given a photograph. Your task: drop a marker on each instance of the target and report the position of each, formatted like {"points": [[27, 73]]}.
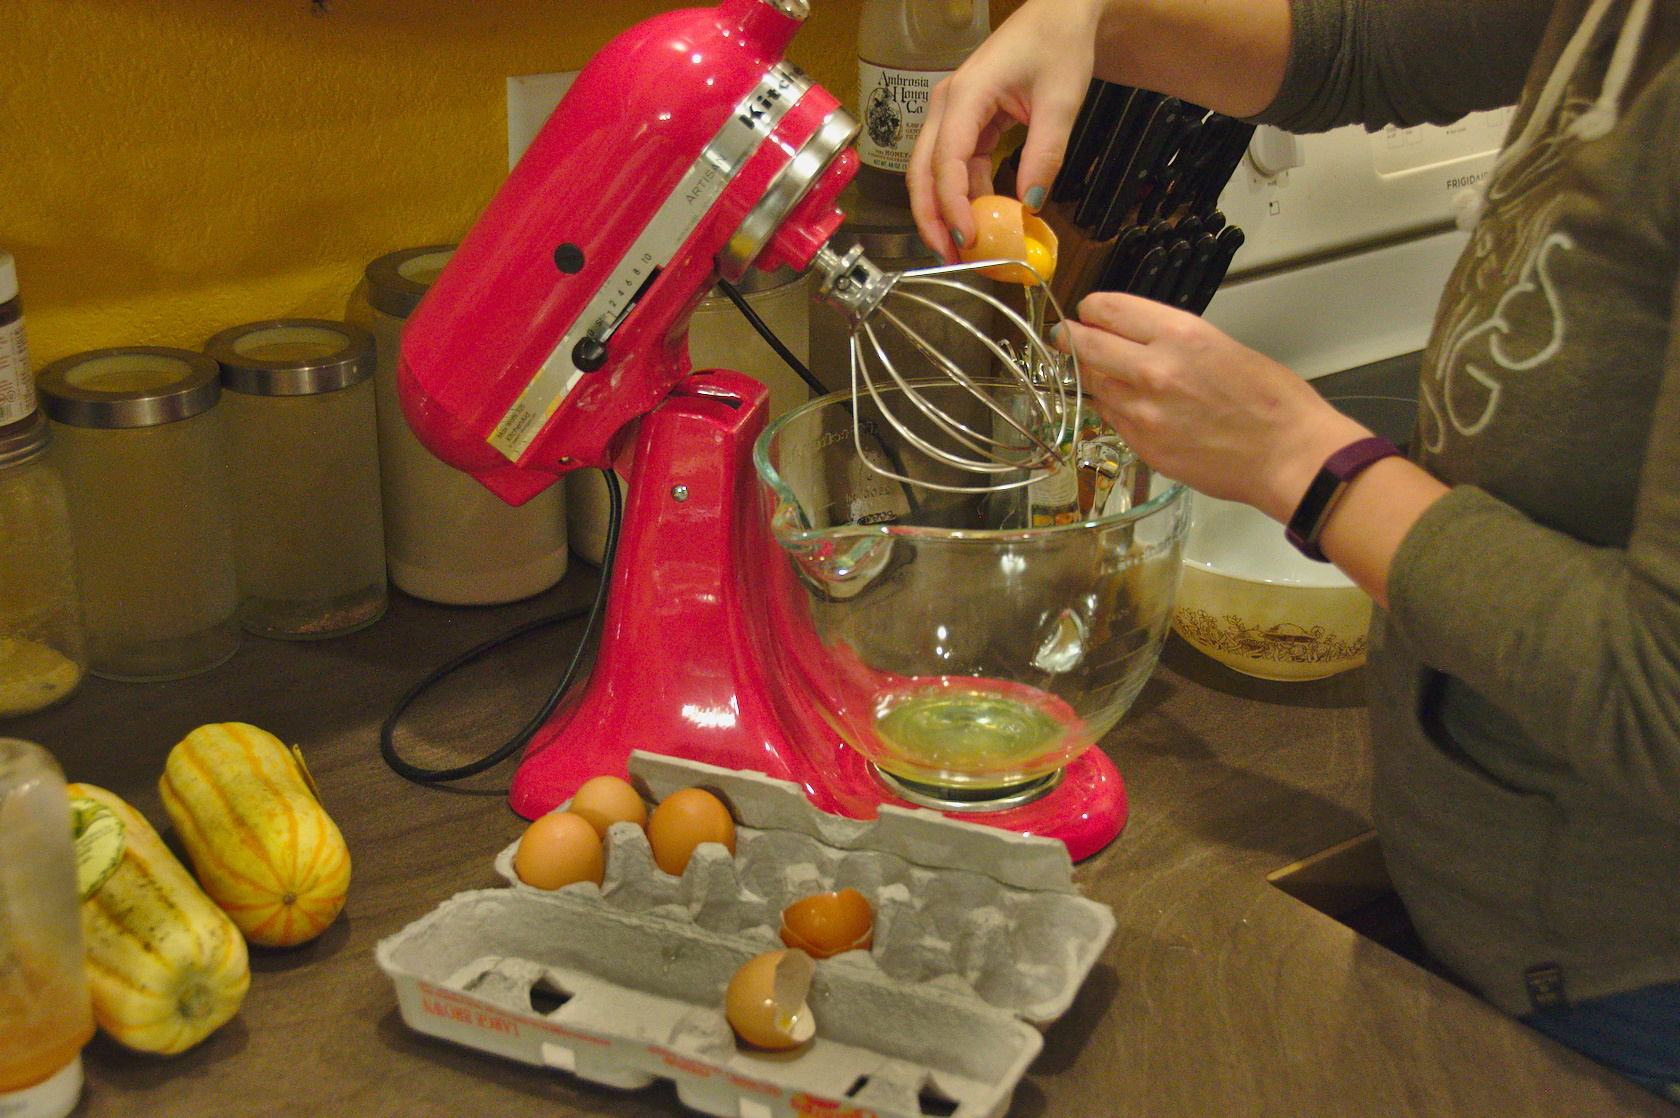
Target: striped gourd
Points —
{"points": [[264, 848], [166, 967]]}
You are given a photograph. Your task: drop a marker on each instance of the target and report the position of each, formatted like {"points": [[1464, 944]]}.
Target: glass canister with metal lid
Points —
{"points": [[447, 538], [138, 439], [304, 472]]}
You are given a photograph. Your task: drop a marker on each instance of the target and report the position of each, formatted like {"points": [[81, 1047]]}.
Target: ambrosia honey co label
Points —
{"points": [[894, 104]]}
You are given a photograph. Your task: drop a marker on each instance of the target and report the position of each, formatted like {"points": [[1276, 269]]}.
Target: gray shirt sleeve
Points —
{"points": [[1403, 62]]}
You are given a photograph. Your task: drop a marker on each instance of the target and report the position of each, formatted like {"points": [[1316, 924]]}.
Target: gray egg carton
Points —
{"points": [[623, 984]]}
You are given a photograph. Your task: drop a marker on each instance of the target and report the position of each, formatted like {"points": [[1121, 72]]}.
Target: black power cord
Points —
{"points": [[769, 335], [595, 610]]}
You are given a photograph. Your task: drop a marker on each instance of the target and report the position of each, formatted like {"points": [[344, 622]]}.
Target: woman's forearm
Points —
{"points": [[1377, 509], [1227, 55]]}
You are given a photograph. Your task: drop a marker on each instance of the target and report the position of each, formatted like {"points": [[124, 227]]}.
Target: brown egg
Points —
{"points": [[682, 821], [1007, 230], [826, 924], [765, 1003], [605, 800], [558, 849]]}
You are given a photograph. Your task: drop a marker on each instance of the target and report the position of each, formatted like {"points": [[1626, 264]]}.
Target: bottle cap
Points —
{"points": [[8, 278], [52, 1098]]}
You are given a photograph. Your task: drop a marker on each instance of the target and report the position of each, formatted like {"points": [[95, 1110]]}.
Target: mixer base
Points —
{"points": [[946, 798]]}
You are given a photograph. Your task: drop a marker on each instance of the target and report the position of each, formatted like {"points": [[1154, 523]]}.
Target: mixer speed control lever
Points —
{"points": [[590, 353]]}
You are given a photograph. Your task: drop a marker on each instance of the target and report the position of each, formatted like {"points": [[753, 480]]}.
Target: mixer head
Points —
{"points": [[687, 149]]}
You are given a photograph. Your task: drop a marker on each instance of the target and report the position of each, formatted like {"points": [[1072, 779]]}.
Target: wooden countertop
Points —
{"points": [[1219, 994]]}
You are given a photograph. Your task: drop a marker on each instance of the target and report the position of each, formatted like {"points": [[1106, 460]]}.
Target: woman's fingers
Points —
{"points": [[919, 179], [1055, 105], [943, 168], [1130, 316]]}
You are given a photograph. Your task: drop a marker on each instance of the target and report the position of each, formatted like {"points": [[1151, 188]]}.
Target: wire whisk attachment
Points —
{"points": [[1008, 438]]}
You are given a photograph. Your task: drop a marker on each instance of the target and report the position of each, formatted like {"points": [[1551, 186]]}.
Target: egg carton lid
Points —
{"points": [[924, 836], [638, 1001]]}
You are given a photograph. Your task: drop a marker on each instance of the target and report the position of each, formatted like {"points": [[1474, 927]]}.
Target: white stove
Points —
{"points": [[1350, 238]]}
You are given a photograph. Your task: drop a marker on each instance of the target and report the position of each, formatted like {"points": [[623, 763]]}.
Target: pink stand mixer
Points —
{"points": [[556, 339]]}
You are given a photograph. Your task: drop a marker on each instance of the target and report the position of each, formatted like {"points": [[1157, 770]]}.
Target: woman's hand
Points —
{"points": [[1034, 70], [1202, 408]]}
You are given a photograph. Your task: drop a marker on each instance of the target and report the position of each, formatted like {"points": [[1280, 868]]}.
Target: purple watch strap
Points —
{"points": [[1340, 468]]}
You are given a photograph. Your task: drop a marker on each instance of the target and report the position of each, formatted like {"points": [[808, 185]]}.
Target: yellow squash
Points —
{"points": [[263, 846], [166, 966]]}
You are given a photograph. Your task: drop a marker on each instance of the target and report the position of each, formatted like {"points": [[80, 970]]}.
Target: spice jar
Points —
{"points": [[447, 538], [17, 387], [303, 462], [42, 651], [46, 1015], [139, 442]]}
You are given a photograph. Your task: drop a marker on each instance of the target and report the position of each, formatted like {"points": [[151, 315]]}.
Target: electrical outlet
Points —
{"points": [[530, 98]]}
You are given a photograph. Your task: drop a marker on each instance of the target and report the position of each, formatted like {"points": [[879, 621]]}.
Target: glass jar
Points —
{"points": [[46, 1015], [303, 463], [447, 538], [140, 443], [42, 650]]}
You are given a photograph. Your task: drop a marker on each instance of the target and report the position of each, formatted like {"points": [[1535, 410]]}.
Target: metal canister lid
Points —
{"points": [[128, 386], [397, 280], [23, 440], [292, 356]]}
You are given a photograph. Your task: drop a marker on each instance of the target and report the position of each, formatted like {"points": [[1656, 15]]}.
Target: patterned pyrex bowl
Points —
{"points": [[1252, 602]]}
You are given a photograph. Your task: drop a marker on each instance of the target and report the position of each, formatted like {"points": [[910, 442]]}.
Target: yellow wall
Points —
{"points": [[172, 167]]}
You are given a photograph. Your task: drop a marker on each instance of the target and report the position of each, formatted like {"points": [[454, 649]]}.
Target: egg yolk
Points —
{"points": [[1040, 258], [1005, 230]]}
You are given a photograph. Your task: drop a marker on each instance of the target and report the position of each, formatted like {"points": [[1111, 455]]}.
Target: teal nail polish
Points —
{"points": [[1035, 198], [956, 238]]}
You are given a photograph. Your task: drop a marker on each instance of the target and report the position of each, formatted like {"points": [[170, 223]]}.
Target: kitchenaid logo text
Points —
{"points": [[764, 107]]}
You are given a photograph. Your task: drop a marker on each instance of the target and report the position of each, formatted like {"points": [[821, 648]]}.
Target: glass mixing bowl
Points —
{"points": [[963, 650]]}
